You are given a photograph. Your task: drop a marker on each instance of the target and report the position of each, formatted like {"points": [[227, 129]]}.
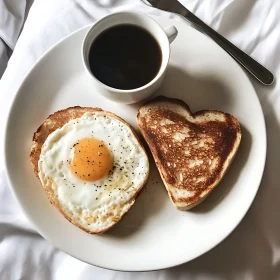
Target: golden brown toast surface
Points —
{"points": [[191, 151]]}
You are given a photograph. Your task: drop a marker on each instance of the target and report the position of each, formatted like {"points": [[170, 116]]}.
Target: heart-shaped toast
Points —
{"points": [[192, 151]]}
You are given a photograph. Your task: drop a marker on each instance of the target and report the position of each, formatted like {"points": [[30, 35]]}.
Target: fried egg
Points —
{"points": [[92, 169]]}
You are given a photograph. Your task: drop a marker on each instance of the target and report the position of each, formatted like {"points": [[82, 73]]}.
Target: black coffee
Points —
{"points": [[125, 57]]}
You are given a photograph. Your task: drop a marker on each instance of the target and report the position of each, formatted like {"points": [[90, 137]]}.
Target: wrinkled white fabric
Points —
{"points": [[252, 251], [11, 21], [4, 56], [12, 15]]}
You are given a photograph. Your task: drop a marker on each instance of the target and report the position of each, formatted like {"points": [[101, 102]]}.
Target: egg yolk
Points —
{"points": [[91, 159]]}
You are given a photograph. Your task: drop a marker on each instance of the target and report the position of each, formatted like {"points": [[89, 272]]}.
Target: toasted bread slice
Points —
{"points": [[192, 151], [58, 120]]}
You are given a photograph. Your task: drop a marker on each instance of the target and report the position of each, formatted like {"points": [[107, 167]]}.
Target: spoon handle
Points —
{"points": [[251, 65]]}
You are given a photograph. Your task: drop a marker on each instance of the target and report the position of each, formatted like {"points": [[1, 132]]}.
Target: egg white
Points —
{"points": [[94, 206]]}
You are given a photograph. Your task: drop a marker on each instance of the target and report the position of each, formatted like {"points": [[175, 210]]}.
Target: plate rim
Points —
{"points": [[45, 236]]}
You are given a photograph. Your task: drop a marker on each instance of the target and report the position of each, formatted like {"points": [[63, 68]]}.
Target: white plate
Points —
{"points": [[153, 235]]}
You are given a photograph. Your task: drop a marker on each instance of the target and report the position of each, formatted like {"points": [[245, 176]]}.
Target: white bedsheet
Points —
{"points": [[253, 249], [12, 16]]}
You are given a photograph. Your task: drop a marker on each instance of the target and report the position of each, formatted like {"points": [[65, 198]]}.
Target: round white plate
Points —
{"points": [[153, 235]]}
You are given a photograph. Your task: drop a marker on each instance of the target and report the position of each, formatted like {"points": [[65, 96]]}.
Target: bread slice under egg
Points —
{"points": [[58, 120]]}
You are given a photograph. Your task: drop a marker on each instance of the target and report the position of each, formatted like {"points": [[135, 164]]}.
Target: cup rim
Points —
{"points": [[116, 90]]}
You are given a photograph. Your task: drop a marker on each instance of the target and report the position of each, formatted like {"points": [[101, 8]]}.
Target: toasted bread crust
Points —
{"points": [[56, 121], [191, 150]]}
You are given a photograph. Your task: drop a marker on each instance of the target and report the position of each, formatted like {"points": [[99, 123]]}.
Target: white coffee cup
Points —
{"points": [[163, 36]]}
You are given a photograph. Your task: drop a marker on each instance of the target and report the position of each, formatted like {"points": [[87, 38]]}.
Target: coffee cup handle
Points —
{"points": [[171, 32]]}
